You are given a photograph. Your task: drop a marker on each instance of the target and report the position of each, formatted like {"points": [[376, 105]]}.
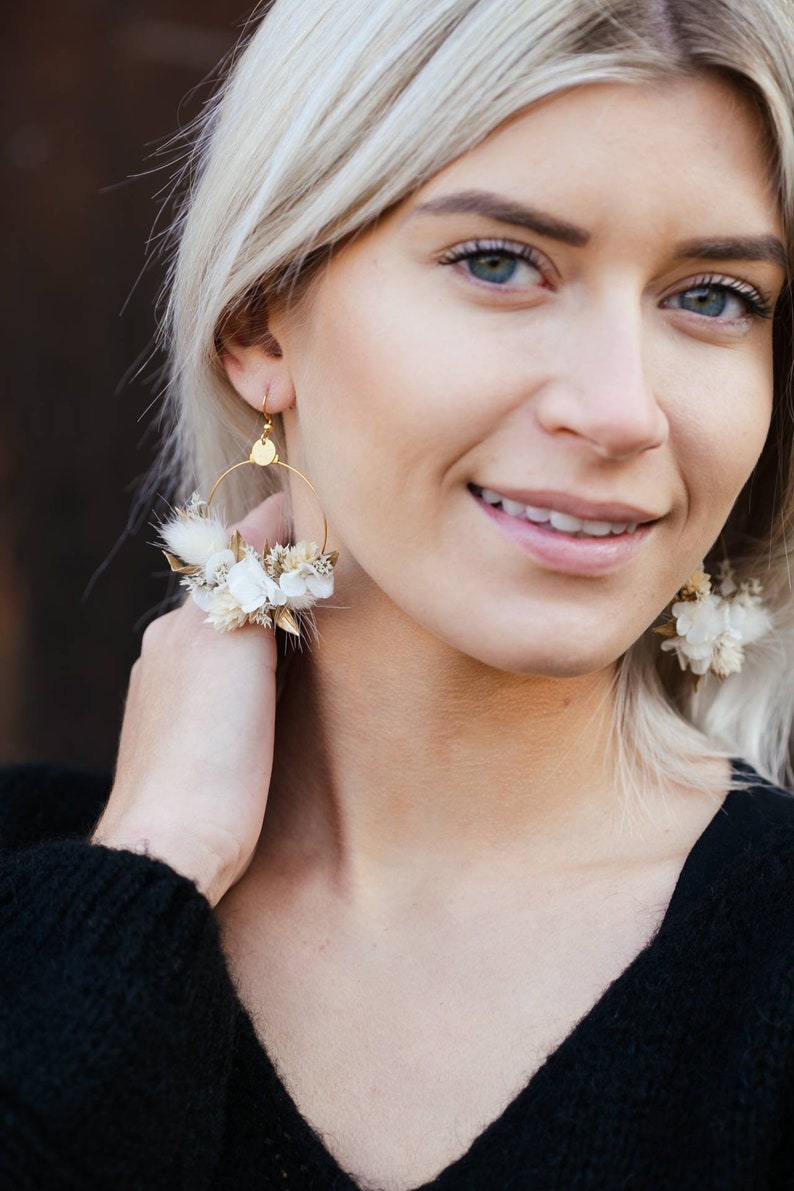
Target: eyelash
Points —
{"points": [[475, 248], [759, 304]]}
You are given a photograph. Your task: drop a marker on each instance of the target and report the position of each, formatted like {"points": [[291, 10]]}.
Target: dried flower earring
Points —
{"points": [[230, 580], [710, 627]]}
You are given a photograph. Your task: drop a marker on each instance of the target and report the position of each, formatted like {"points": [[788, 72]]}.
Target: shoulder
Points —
{"points": [[743, 867], [756, 823], [739, 876], [757, 819], [44, 802], [757, 802]]}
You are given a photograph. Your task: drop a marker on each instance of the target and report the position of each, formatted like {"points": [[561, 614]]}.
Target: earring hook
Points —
{"points": [[263, 454]]}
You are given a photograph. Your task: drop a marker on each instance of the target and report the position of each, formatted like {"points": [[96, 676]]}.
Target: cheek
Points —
{"points": [[390, 391], [718, 431]]}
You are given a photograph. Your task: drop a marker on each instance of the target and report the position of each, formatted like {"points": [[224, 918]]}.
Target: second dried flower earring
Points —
{"points": [[234, 583], [711, 623]]}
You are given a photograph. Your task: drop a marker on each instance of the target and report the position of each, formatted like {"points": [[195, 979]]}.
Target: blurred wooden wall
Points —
{"points": [[89, 90]]}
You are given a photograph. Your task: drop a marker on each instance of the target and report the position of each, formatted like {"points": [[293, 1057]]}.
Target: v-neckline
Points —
{"points": [[322, 1161]]}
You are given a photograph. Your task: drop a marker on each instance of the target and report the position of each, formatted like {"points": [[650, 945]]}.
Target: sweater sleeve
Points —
{"points": [[117, 1022]]}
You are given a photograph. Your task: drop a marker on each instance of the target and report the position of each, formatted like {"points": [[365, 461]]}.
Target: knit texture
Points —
{"points": [[127, 1060]]}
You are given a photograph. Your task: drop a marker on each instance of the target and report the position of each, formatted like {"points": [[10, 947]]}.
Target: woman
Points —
{"points": [[514, 278]]}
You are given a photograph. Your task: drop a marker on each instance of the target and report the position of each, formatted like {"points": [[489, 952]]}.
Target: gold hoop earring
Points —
{"points": [[234, 583]]}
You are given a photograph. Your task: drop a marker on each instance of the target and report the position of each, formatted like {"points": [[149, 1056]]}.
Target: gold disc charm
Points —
{"points": [[263, 452]]}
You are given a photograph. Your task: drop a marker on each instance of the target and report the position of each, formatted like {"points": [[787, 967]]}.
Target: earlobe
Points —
{"points": [[254, 371]]}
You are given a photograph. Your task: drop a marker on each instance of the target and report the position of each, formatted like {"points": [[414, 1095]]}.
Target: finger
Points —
{"points": [[266, 523]]}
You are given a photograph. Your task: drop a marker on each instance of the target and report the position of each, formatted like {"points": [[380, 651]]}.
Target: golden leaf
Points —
{"points": [[667, 629], [333, 557], [286, 621], [237, 545], [180, 567]]}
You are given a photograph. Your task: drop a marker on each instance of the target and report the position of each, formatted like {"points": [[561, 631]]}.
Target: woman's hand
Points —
{"points": [[196, 747]]}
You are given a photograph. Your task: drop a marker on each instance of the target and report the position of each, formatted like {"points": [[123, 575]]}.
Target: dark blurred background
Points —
{"points": [[91, 91]]}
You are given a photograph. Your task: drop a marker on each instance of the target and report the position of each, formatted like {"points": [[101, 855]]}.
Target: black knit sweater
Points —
{"points": [[127, 1060]]}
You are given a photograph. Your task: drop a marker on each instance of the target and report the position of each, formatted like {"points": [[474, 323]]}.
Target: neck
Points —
{"points": [[397, 755]]}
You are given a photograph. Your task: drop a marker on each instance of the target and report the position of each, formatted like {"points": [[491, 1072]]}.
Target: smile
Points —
{"points": [[552, 518], [595, 539]]}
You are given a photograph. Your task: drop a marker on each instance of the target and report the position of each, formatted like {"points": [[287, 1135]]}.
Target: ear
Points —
{"points": [[255, 369]]}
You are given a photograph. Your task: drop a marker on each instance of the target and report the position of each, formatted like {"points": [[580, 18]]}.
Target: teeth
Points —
{"points": [[598, 529], [566, 523], [539, 516], [562, 522]]}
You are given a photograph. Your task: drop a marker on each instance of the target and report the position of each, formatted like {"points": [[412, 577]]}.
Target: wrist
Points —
{"points": [[196, 864]]}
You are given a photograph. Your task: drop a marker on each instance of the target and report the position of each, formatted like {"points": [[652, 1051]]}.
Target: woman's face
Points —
{"points": [[529, 397]]}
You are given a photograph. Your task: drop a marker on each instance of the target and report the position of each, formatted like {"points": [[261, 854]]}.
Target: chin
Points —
{"points": [[543, 665], [556, 655]]}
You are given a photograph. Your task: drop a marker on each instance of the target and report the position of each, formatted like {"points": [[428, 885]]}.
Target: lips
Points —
{"points": [[566, 515], [565, 535]]}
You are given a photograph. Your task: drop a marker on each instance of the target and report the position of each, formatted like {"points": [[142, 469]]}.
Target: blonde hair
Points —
{"points": [[334, 112]]}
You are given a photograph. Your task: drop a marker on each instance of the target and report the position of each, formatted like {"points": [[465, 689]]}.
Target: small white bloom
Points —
{"points": [[224, 612], [304, 574], [726, 580], [252, 587], [756, 624], [204, 597], [749, 621], [305, 579], [696, 658], [217, 566], [728, 656], [700, 621]]}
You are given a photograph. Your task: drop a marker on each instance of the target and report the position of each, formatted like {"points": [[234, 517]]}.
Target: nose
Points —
{"points": [[600, 389]]}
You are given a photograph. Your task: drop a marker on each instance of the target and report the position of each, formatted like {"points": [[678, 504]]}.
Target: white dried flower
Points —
{"points": [[224, 611], [204, 597], [696, 658], [303, 572], [217, 567], [306, 578], [701, 620], [727, 656], [725, 578], [252, 587], [712, 628], [193, 535], [748, 618]]}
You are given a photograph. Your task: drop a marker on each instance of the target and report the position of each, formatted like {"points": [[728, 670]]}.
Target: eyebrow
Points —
{"points": [[504, 210], [738, 248]]}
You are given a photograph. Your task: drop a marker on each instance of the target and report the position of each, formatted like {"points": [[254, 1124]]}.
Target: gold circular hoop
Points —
{"points": [[264, 454]]}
